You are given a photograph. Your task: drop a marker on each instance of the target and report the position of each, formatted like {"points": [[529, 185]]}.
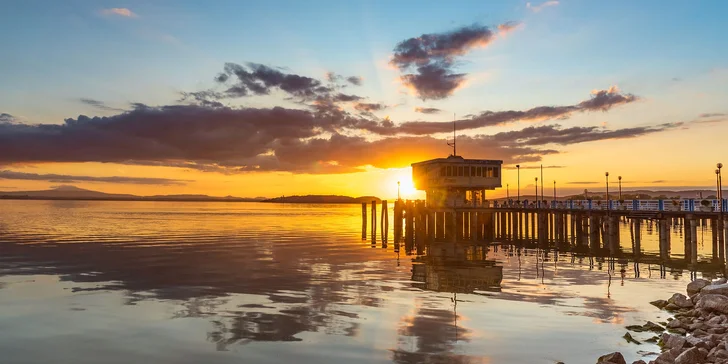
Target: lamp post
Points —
{"points": [[538, 203], [508, 191], [518, 167], [606, 174], [586, 194], [620, 188], [398, 198], [720, 186]]}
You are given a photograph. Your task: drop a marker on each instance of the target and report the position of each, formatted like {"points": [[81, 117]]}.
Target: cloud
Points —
{"points": [[354, 80], [554, 134], [258, 79], [582, 183], [119, 12], [432, 57], [427, 110], [98, 104], [600, 100], [369, 107], [63, 178], [539, 7], [7, 118], [711, 115]]}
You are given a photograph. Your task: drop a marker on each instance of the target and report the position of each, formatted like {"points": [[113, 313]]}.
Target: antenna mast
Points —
{"points": [[454, 150]]}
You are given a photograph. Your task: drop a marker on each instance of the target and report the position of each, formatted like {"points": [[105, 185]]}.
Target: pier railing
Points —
{"points": [[690, 205]]}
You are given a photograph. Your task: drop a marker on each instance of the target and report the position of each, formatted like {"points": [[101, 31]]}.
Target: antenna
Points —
{"points": [[454, 150]]}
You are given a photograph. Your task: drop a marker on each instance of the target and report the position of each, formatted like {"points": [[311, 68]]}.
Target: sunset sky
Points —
{"points": [[340, 97]]}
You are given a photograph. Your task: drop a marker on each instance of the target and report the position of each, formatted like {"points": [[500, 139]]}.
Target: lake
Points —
{"points": [[192, 282]]}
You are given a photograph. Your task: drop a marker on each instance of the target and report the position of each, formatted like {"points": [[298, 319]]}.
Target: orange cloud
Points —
{"points": [[539, 7]]}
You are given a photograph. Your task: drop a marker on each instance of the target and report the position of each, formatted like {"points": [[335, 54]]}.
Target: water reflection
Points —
{"points": [[260, 279]]}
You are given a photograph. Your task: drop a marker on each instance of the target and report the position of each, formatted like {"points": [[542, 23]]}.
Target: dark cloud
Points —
{"points": [[346, 98], [427, 110], [554, 134], [601, 100], [369, 107], [98, 104], [7, 118], [236, 140], [204, 98], [354, 80], [258, 79], [63, 178], [432, 57]]}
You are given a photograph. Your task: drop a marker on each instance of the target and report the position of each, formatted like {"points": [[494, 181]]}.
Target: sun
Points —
{"points": [[407, 187]]}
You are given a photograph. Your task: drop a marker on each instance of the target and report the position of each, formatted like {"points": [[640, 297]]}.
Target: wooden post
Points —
{"points": [[408, 227], [450, 224], [473, 225], [363, 221], [385, 221], [693, 241], [374, 221], [594, 227]]}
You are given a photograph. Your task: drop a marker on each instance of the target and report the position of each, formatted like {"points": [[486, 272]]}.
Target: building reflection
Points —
{"points": [[456, 268]]}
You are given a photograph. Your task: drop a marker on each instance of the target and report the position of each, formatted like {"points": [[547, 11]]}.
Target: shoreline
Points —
{"points": [[696, 333]]}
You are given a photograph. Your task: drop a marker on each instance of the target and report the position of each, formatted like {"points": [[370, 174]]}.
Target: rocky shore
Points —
{"points": [[697, 333]]}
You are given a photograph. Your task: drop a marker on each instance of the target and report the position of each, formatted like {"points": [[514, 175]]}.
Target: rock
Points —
{"points": [[672, 307], [696, 326], [659, 304], [639, 362], [721, 289], [674, 324], [697, 342], [713, 302], [653, 339], [678, 331], [613, 358], [668, 357], [717, 320], [695, 286], [630, 339], [680, 300], [690, 356], [700, 333], [720, 281], [674, 341]]}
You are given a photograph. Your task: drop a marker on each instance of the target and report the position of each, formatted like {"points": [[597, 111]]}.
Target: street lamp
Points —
{"points": [[398, 198], [586, 194], [554, 191], [518, 167], [606, 174], [620, 188], [720, 185], [538, 203], [508, 191]]}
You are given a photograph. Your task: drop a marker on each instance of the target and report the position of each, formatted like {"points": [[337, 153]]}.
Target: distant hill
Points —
{"points": [[75, 193], [631, 195], [323, 199]]}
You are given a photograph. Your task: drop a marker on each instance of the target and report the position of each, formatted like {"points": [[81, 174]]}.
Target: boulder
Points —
{"points": [[690, 356], [613, 358], [681, 301], [695, 286], [674, 341], [667, 357], [716, 320], [721, 289], [674, 324], [697, 342], [639, 362], [720, 281], [671, 307], [659, 304], [713, 302]]}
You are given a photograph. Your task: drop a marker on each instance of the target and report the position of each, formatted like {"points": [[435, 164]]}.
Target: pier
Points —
{"points": [[585, 228]]}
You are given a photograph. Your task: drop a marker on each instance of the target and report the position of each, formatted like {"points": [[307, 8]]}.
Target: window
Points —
{"points": [[490, 172], [472, 171], [460, 171], [495, 172], [480, 172], [443, 171], [449, 171]]}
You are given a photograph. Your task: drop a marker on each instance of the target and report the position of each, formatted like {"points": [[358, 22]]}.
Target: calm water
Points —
{"points": [[163, 282]]}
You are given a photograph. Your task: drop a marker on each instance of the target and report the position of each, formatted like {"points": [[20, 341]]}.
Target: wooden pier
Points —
{"points": [[565, 226]]}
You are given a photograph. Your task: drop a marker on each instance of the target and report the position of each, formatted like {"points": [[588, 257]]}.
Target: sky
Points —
{"points": [[329, 97]]}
